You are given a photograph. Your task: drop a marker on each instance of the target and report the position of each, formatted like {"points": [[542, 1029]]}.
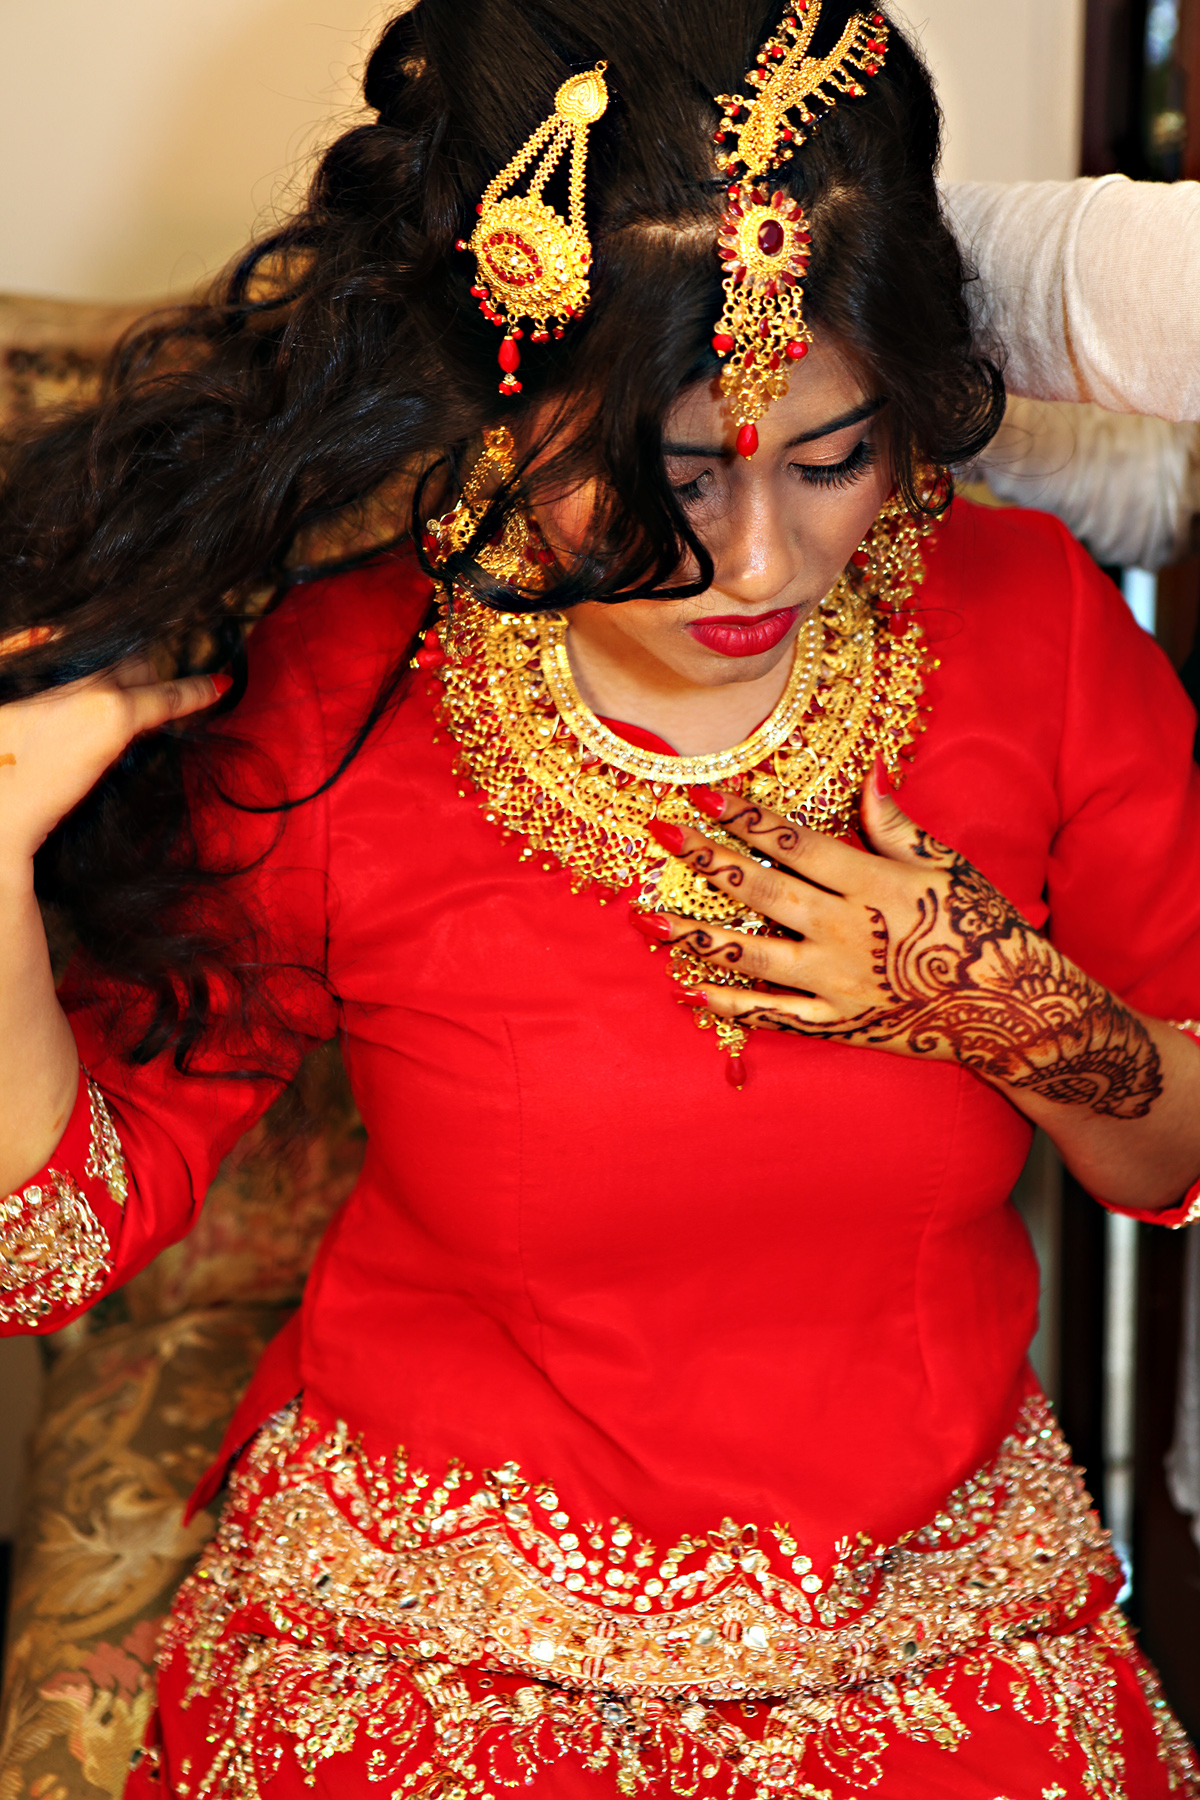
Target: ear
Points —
{"points": [[889, 831]]}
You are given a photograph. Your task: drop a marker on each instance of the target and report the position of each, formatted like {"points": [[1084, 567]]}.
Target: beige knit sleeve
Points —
{"points": [[1091, 287], [1127, 486]]}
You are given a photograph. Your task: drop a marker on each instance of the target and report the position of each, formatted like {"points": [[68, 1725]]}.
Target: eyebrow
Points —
{"points": [[715, 453]]}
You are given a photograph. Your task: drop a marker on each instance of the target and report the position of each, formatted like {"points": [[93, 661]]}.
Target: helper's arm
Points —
{"points": [[1090, 288]]}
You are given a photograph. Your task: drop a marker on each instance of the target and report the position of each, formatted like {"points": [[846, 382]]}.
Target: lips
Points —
{"points": [[736, 636]]}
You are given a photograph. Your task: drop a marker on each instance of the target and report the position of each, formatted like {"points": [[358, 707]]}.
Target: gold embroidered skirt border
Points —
{"points": [[472, 1633]]}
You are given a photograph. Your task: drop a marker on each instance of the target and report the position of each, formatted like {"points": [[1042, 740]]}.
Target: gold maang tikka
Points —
{"points": [[531, 263], [763, 239]]}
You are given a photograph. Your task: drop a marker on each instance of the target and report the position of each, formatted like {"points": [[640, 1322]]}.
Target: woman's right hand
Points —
{"points": [[55, 746]]}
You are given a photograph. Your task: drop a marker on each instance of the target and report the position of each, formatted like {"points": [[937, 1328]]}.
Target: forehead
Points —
{"points": [[824, 386]]}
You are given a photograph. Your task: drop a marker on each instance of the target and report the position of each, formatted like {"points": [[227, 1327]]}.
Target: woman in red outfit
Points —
{"points": [[658, 1418]]}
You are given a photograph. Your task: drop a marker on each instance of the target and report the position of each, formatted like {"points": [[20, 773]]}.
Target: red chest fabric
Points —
{"points": [[574, 1245]]}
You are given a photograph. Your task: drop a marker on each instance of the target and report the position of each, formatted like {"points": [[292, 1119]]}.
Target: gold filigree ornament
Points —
{"points": [[517, 555], [531, 263], [54, 1252], [763, 239], [582, 798]]}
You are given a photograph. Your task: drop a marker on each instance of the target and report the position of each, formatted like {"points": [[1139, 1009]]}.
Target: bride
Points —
{"points": [[716, 848]]}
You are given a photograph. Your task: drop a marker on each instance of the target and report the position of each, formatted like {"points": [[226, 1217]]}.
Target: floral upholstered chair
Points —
{"points": [[139, 1391], [138, 1394]]}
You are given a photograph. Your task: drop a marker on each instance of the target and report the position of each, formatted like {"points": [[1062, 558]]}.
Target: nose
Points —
{"points": [[756, 558]]}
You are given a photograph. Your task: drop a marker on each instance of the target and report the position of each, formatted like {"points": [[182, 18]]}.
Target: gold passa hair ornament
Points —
{"points": [[763, 239], [531, 263]]}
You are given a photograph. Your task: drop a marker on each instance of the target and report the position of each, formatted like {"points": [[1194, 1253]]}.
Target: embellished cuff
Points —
{"points": [[55, 1255], [1187, 1210]]}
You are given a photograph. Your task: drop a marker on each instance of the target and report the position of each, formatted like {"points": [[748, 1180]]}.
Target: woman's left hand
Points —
{"points": [[911, 951]]}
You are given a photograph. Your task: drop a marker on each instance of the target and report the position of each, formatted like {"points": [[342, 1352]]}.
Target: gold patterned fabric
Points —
{"points": [[54, 1252], [460, 1631]]}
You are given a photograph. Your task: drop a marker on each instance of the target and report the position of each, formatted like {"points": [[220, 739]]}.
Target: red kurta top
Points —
{"points": [[573, 1244]]}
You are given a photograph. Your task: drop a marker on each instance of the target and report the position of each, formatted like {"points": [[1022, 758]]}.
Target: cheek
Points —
{"points": [[651, 626], [844, 520]]}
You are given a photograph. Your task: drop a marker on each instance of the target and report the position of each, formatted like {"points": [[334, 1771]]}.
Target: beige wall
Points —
{"points": [[1010, 75], [142, 140]]}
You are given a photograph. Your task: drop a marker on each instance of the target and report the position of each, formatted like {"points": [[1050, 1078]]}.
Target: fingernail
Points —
{"points": [[40, 634], [668, 835], [690, 998], [222, 684], [879, 780], [707, 800], [653, 925]]}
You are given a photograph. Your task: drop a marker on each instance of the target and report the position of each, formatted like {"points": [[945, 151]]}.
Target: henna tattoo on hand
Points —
{"points": [[775, 836], [699, 941], [973, 981], [705, 861]]}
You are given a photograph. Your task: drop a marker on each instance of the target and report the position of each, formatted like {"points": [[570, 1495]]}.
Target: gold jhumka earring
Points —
{"points": [[516, 556], [531, 263], [763, 239]]}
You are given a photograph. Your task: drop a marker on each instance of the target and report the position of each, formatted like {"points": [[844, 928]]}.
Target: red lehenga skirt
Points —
{"points": [[355, 1630]]}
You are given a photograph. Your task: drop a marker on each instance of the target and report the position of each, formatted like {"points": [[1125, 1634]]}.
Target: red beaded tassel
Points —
{"points": [[509, 358]]}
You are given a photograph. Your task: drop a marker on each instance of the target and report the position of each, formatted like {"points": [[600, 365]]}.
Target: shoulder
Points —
{"points": [[1013, 585], [341, 633], [988, 547], [1036, 649], [319, 663]]}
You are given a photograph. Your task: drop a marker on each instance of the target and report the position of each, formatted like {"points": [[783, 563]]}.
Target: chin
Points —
{"points": [[709, 669]]}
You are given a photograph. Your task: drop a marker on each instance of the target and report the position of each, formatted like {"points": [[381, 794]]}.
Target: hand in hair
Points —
{"points": [[55, 746], [912, 951]]}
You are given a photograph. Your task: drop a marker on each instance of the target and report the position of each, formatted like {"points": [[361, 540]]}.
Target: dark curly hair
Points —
{"points": [[337, 378]]}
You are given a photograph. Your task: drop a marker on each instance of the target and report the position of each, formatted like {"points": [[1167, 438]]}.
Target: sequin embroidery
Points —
{"points": [[470, 1629]]}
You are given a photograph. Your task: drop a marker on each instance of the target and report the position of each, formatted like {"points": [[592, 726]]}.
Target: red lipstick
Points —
{"points": [[736, 635]]}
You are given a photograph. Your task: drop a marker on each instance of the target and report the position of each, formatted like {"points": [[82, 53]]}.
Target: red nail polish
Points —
{"points": [[691, 998], [707, 800], [668, 835], [222, 683], [879, 780], [653, 925]]}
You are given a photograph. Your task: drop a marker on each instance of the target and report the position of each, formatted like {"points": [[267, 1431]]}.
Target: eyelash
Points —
{"points": [[826, 475], [840, 474]]}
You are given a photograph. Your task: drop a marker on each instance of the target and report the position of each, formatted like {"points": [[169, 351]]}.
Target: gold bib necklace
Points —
{"points": [[581, 798]]}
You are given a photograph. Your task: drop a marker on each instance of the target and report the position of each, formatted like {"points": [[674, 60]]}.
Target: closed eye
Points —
{"points": [[825, 475], [839, 474], [689, 493]]}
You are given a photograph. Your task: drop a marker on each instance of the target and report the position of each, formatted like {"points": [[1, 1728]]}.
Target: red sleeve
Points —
{"points": [[144, 1141], [1124, 878]]}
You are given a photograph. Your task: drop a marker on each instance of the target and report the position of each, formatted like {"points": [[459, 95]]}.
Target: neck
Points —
{"points": [[618, 680]]}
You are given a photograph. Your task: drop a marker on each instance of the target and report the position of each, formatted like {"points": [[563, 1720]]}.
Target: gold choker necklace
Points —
{"points": [[581, 798]]}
